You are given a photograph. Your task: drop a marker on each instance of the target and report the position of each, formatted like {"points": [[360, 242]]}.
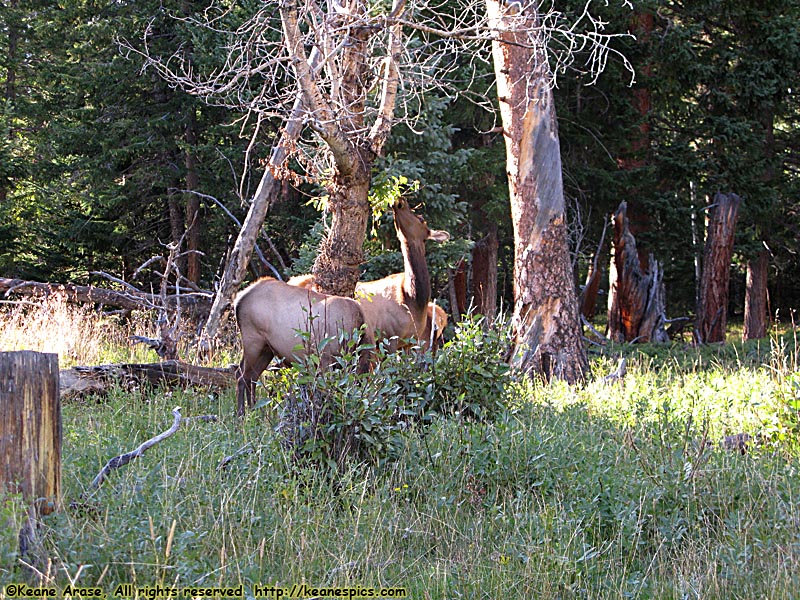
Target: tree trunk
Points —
{"points": [[546, 320], [175, 218], [30, 428], [78, 381], [755, 299], [341, 254], [192, 201], [588, 296], [712, 313], [338, 116], [636, 298], [484, 274]]}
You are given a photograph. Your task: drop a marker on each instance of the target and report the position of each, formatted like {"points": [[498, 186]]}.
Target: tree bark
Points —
{"points": [[78, 381], [193, 226], [588, 296], [755, 299], [712, 312], [337, 268], [484, 274], [636, 298], [546, 320], [30, 428]]}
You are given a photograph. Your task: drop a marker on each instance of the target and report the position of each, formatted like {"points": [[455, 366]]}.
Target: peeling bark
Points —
{"points": [[546, 320]]}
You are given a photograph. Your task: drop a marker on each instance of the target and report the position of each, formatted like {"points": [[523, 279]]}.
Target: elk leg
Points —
{"points": [[250, 370]]}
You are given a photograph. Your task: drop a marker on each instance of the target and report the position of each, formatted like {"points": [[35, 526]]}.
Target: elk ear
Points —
{"points": [[437, 235]]}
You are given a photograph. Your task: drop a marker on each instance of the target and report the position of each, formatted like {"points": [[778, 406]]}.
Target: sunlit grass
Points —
{"points": [[85, 335], [606, 490]]}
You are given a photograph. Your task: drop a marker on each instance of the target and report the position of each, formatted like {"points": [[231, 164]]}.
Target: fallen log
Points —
{"points": [[82, 380], [197, 303]]}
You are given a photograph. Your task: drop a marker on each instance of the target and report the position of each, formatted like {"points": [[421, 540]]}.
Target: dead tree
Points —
{"points": [[756, 297], [130, 298], [348, 102], [636, 298], [588, 297], [712, 310], [484, 274]]}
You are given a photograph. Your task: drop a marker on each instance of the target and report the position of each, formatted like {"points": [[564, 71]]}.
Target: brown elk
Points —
{"points": [[398, 306], [270, 313]]}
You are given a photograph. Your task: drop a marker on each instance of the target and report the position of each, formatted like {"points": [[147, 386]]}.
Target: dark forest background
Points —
{"points": [[102, 163]]}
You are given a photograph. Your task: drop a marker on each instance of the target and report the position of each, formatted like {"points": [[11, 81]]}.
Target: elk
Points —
{"points": [[398, 306], [271, 315]]}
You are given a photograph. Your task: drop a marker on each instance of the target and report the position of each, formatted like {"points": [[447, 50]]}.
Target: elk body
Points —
{"points": [[399, 305], [270, 313]]}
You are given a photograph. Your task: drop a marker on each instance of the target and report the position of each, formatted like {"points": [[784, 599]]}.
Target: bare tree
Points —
{"points": [[756, 299], [332, 70], [712, 310]]}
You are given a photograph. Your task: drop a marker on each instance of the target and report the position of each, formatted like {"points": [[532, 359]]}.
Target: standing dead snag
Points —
{"points": [[546, 318], [712, 311], [588, 296], [30, 436], [756, 298], [636, 298]]}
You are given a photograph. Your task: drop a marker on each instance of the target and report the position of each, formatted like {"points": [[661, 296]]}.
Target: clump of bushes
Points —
{"points": [[333, 416]]}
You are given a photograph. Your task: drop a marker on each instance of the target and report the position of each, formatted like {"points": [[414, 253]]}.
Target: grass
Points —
{"points": [[604, 491]]}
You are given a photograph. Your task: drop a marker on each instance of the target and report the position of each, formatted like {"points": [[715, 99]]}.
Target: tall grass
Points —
{"points": [[600, 491], [79, 335], [84, 335]]}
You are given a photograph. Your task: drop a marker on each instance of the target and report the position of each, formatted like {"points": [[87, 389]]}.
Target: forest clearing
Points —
{"points": [[640, 488], [406, 298]]}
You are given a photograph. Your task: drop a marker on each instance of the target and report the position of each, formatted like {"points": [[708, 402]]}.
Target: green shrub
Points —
{"points": [[331, 416]]}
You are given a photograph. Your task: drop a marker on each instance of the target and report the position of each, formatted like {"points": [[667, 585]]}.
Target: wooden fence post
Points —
{"points": [[30, 428]]}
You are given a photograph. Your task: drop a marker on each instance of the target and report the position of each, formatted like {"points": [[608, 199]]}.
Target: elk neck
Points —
{"points": [[417, 279]]}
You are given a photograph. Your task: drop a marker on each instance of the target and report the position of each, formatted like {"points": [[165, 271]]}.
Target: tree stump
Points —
{"points": [[712, 312], [30, 428], [636, 298]]}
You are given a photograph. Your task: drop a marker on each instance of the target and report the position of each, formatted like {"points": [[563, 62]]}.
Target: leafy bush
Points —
{"points": [[470, 374], [330, 416]]}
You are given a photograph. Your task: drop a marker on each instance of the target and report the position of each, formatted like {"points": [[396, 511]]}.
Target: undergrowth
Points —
{"points": [[454, 478]]}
